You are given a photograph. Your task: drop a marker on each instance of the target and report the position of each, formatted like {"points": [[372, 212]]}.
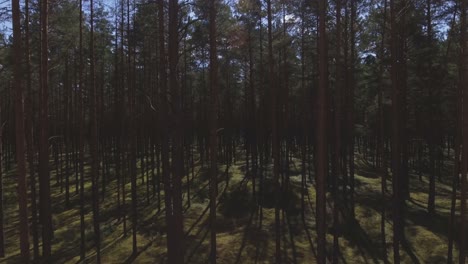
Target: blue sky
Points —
{"points": [[5, 8], [5, 12]]}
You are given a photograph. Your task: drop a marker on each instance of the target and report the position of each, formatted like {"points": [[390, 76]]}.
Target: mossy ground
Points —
{"points": [[241, 238]]}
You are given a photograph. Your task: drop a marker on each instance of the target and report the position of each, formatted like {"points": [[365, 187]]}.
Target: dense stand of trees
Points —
{"points": [[126, 103]]}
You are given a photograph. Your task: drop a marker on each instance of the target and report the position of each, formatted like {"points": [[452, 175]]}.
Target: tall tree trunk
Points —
{"points": [[304, 117], [381, 157], [177, 147], [274, 135], [94, 140], [66, 130], [337, 140], [464, 158], [131, 79], [457, 161], [322, 137], [29, 124], [122, 127], [165, 135], [352, 84], [81, 139], [396, 153], [213, 128], [456, 140], [20, 135], [2, 220], [251, 122], [44, 177], [434, 125]]}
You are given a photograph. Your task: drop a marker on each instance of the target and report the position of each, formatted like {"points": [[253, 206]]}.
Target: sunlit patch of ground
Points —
{"points": [[242, 236]]}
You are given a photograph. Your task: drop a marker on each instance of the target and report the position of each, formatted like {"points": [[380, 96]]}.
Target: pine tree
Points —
{"points": [[20, 134]]}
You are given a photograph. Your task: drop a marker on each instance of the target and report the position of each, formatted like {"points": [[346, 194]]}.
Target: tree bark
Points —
{"points": [[274, 135], [337, 140], [396, 149], [44, 176], [2, 220], [94, 140], [322, 137], [381, 157], [177, 147], [464, 157], [20, 134], [213, 127]]}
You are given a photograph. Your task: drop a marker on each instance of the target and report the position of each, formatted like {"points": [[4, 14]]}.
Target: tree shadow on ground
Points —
{"points": [[248, 229], [133, 257], [354, 233], [409, 250]]}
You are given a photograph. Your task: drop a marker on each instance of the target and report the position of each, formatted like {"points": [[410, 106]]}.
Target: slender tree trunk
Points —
{"points": [[81, 140], [94, 141], [456, 167], [122, 127], [337, 140], [213, 127], [177, 147], [432, 169], [352, 84], [20, 135], [274, 135], [304, 117], [457, 138], [322, 139], [381, 157], [464, 157], [251, 123], [396, 153], [165, 136], [44, 177], [2, 221], [434, 125], [66, 135], [131, 79], [29, 123]]}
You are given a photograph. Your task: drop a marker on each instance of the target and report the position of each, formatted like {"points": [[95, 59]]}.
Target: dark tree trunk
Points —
{"points": [[396, 148], [464, 157], [456, 167], [457, 140], [352, 84], [44, 176], [322, 139], [2, 221], [94, 142], [20, 135], [177, 147], [171, 250], [337, 133], [274, 135], [81, 139], [213, 128], [29, 135], [381, 157], [132, 130]]}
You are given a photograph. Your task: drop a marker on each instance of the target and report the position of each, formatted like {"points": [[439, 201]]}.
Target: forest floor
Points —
{"points": [[241, 237]]}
